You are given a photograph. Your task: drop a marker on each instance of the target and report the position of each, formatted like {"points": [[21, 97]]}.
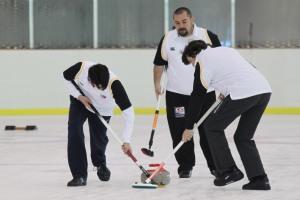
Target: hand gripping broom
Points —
{"points": [[147, 185], [148, 151], [162, 164]]}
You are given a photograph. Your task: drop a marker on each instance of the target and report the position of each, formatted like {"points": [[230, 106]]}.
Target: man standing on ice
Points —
{"points": [[102, 89]]}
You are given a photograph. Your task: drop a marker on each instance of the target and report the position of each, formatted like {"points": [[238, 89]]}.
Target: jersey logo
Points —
{"points": [[103, 96], [179, 112], [172, 48]]}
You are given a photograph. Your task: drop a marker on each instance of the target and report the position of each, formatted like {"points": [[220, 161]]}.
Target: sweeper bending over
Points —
{"points": [[246, 94], [102, 89]]}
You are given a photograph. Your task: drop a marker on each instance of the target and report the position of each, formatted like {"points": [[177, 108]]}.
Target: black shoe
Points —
{"points": [[258, 183], [103, 173], [229, 177], [185, 173], [81, 181]]}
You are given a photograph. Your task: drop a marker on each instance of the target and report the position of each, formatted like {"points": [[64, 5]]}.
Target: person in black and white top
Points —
{"points": [[102, 89], [245, 93], [180, 84]]}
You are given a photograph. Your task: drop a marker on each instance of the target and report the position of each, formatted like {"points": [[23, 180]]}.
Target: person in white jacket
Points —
{"points": [[103, 90], [245, 93], [180, 84]]}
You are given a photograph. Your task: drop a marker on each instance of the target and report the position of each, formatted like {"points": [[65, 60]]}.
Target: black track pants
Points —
{"points": [[77, 157], [251, 110], [176, 105]]}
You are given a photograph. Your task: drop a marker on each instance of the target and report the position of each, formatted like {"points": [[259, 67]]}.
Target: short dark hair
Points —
{"points": [[180, 10], [99, 75], [192, 49]]}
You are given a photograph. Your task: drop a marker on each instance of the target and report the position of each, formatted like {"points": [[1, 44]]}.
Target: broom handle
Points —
{"points": [[154, 124], [130, 155], [181, 142]]}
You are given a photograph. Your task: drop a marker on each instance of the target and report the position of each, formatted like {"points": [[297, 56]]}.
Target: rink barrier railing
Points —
{"points": [[138, 111]]}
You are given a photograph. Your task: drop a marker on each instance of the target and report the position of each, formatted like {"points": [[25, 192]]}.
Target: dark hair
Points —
{"points": [[192, 49], [180, 10], [99, 75]]}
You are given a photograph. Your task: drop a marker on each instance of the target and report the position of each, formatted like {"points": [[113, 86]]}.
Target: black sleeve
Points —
{"points": [[214, 39], [70, 73], [158, 60], [196, 102], [120, 95]]}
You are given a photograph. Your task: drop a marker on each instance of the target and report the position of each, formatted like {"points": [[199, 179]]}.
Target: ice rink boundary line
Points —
{"points": [[138, 111]]}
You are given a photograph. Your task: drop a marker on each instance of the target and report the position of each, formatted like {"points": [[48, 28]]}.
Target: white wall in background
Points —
{"points": [[281, 67], [33, 78]]}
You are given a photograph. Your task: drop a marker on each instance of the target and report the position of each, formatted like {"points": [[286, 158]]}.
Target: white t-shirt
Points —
{"points": [[226, 71], [102, 100], [180, 76]]}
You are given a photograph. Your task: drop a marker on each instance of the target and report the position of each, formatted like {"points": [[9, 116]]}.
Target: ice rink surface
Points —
{"points": [[33, 164]]}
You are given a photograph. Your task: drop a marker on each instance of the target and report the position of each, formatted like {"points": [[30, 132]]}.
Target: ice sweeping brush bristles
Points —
{"points": [[144, 185]]}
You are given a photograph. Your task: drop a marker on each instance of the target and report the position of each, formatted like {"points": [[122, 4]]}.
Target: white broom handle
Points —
{"points": [[112, 132], [181, 142], [158, 102], [98, 114], [217, 102], [110, 129], [120, 141], [208, 112]]}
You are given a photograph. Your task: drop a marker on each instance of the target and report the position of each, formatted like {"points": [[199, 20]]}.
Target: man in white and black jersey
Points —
{"points": [[180, 84], [102, 89], [245, 93]]}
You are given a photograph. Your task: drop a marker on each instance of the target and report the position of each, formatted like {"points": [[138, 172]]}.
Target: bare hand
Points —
{"points": [[158, 90], [187, 135], [157, 77], [126, 148], [85, 101]]}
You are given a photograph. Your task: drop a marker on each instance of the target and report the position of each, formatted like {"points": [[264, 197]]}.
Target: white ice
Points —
{"points": [[33, 164]]}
